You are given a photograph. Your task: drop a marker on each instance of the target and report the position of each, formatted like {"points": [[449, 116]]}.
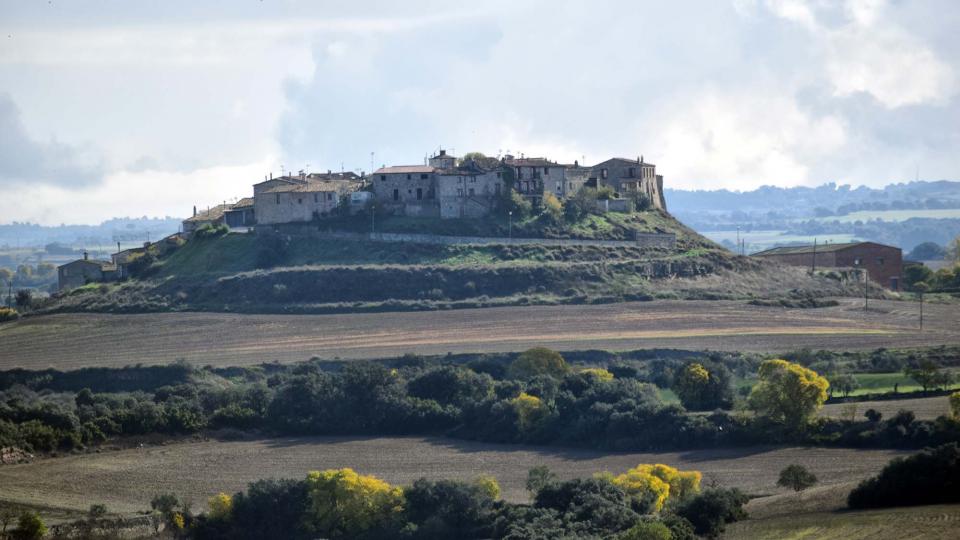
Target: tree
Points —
{"points": [[552, 207], [220, 506], [915, 274], [927, 251], [928, 375], [647, 530], [845, 383], [538, 361], [23, 298], [654, 484], [530, 412], [788, 393], [928, 477], [953, 249], [704, 386], [710, 511], [796, 477], [955, 405], [30, 527], [344, 504], [538, 477]]}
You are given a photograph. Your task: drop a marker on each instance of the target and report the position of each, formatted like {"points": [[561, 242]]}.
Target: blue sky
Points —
{"points": [[128, 108]]}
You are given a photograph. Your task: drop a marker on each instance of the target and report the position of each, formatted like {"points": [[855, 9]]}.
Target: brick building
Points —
{"points": [[884, 264]]}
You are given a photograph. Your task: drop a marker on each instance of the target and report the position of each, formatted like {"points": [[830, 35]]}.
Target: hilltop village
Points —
{"points": [[443, 187]]}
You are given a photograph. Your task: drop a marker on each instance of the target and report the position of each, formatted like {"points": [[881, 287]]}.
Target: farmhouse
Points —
{"points": [[299, 202], [82, 271], [240, 214], [882, 263], [211, 216]]}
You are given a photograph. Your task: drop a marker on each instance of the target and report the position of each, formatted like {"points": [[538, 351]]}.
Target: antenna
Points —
{"points": [[371, 161]]}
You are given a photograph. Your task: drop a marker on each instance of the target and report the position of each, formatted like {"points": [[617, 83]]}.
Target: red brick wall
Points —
{"points": [[885, 273]]}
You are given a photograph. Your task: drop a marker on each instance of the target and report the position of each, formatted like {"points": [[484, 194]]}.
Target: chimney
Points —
{"points": [[194, 210], [86, 256], [271, 175], [576, 163], [443, 153]]}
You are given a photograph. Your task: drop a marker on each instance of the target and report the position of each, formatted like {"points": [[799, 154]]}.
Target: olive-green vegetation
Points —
{"points": [[341, 503], [530, 397]]}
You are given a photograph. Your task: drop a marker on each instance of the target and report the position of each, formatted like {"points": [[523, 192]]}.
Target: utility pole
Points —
{"points": [[866, 290], [510, 230], [921, 311], [373, 219], [738, 238]]}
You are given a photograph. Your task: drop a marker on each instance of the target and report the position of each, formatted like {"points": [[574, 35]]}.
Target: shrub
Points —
{"points": [[8, 314], [211, 231], [23, 299], [928, 477], [654, 484], [788, 393], [955, 405], [701, 387], [30, 527], [710, 511], [647, 530]]}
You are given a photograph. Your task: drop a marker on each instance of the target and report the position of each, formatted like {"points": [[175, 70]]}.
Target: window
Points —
{"points": [[459, 192], [496, 187], [473, 179], [880, 261], [498, 174], [471, 192], [396, 194], [383, 177], [603, 173], [633, 172], [316, 197], [278, 198], [419, 194], [519, 173], [423, 176], [409, 177], [546, 170], [329, 196], [299, 200]]}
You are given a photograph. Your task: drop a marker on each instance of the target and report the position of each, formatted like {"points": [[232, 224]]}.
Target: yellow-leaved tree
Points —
{"points": [[955, 404], [220, 506], [488, 485], [657, 483], [598, 373], [787, 392], [530, 411], [344, 504], [538, 361]]}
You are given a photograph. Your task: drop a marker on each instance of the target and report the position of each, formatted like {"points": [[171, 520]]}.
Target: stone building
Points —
{"points": [[212, 216], [298, 202], [241, 214], [627, 176], [532, 177], [409, 190], [884, 264], [82, 271], [468, 191]]}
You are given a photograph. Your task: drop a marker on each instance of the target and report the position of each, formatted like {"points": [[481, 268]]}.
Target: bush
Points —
{"points": [[710, 511], [647, 530], [796, 477], [29, 527], [8, 314], [929, 477], [211, 231]]}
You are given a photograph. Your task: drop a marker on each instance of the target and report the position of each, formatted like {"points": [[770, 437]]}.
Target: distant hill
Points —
{"points": [[904, 214], [128, 231]]}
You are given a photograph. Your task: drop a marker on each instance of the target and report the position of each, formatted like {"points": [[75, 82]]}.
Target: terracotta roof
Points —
{"points": [[313, 186], [104, 265], [821, 248], [212, 214], [246, 202], [405, 169]]}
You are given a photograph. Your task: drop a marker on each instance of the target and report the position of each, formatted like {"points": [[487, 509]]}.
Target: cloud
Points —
{"points": [[144, 192], [25, 160]]}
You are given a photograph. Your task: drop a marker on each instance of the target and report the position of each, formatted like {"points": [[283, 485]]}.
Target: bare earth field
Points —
{"points": [[924, 408], [126, 480], [69, 341]]}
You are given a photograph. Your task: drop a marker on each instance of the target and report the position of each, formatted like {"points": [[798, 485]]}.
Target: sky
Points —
{"points": [[117, 108]]}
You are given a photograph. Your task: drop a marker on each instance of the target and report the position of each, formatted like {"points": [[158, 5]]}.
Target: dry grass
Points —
{"points": [[125, 480], [924, 408], [69, 341], [820, 513]]}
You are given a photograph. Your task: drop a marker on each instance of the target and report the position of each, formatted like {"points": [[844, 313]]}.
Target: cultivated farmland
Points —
{"points": [[125, 480], [69, 341]]}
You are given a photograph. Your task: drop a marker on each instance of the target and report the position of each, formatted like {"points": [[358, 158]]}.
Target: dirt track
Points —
{"points": [[74, 340], [126, 480]]}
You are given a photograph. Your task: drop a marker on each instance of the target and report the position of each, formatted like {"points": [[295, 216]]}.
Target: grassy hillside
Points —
{"points": [[278, 273]]}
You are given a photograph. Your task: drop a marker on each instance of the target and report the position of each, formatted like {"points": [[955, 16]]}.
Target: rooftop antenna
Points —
{"points": [[371, 161], [341, 166]]}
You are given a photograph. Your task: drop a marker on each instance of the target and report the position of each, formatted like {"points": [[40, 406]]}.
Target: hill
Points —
{"points": [[289, 273]]}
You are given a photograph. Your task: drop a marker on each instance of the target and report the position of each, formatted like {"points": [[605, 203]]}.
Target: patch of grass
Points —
{"points": [[874, 383]]}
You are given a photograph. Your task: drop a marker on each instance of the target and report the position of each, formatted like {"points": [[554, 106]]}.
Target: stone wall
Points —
{"points": [[643, 240]]}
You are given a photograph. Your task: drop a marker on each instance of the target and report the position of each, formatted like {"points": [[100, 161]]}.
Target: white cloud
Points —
{"points": [[147, 192]]}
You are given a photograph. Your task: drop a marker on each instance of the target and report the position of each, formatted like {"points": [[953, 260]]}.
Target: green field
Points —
{"points": [[874, 383], [761, 240]]}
